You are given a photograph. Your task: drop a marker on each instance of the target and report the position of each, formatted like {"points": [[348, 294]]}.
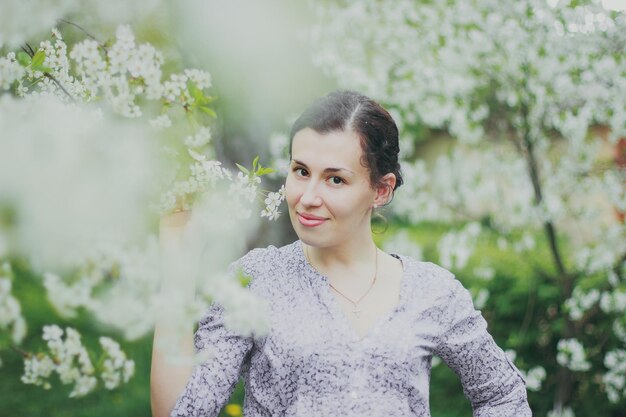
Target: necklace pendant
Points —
{"points": [[356, 312]]}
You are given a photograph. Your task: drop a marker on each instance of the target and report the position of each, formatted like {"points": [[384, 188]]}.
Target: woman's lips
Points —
{"points": [[310, 221]]}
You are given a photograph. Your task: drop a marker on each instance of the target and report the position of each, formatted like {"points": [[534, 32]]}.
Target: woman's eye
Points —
{"points": [[336, 180], [300, 171]]}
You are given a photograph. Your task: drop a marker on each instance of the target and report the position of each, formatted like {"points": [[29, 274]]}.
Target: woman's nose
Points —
{"points": [[310, 196]]}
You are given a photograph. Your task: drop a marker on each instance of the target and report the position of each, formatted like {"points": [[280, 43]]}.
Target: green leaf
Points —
{"points": [[254, 163], [23, 58], [243, 169], [208, 111], [38, 59], [43, 68], [244, 279], [265, 171]]}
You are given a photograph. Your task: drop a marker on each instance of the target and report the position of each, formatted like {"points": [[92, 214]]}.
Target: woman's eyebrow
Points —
{"points": [[325, 170]]}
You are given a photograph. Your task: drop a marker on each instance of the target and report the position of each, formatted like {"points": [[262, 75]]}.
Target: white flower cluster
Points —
{"points": [[116, 369], [272, 202], [10, 71], [571, 354], [113, 282], [614, 302], [580, 302], [535, 375], [68, 358], [120, 73], [606, 244], [205, 174], [11, 320], [244, 188], [615, 379], [71, 361], [59, 65], [200, 139], [455, 248]]}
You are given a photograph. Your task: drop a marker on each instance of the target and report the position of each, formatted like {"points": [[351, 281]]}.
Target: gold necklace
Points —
{"points": [[354, 303]]}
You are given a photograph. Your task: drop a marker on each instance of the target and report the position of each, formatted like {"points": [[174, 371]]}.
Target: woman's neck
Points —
{"points": [[345, 255]]}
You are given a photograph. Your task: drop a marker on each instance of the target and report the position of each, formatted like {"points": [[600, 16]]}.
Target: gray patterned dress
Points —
{"points": [[312, 363]]}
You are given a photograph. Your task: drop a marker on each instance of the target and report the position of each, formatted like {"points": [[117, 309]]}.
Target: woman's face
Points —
{"points": [[328, 191]]}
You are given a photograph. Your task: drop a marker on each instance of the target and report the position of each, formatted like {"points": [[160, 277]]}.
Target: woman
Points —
{"points": [[353, 329]]}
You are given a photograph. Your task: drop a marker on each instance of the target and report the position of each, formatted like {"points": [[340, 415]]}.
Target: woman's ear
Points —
{"points": [[384, 191]]}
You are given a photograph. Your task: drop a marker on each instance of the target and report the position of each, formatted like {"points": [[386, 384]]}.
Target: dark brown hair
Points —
{"points": [[376, 129]]}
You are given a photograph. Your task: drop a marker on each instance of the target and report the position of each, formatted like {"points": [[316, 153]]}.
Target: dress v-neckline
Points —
{"points": [[339, 315]]}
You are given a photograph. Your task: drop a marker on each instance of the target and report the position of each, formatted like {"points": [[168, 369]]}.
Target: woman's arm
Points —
{"points": [[490, 381], [167, 379], [203, 389]]}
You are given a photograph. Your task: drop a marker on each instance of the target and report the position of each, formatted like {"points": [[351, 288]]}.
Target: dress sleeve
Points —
{"points": [[213, 381], [491, 382]]}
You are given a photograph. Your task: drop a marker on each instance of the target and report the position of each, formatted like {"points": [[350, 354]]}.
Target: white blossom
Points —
{"points": [[201, 79], [580, 302], [534, 378], [45, 143], [613, 302], [571, 354], [200, 139], [615, 379], [272, 202], [11, 320], [117, 369], [10, 71], [455, 248]]}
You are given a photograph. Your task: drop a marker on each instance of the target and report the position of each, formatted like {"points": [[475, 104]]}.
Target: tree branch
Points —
{"points": [[533, 172], [21, 352], [89, 35]]}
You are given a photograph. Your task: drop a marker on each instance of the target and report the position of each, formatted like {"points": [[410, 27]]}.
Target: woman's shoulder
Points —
{"points": [[268, 256], [268, 261], [430, 278]]}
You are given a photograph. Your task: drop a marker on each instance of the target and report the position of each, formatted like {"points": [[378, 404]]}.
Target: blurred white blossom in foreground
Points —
{"points": [[73, 176]]}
